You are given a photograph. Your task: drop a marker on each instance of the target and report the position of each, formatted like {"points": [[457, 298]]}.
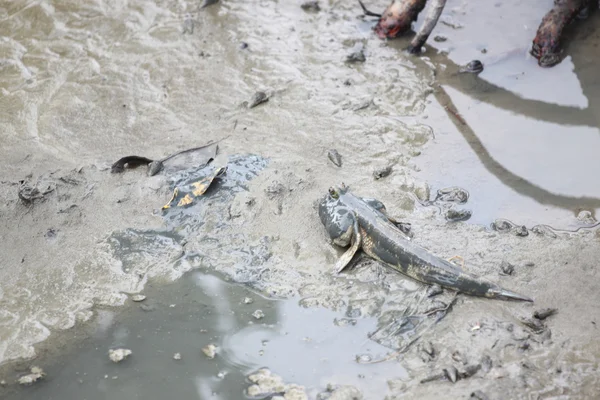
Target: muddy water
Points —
{"points": [[86, 83], [199, 310]]}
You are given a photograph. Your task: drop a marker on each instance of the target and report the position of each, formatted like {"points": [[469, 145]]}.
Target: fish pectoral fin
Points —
{"points": [[345, 259]]}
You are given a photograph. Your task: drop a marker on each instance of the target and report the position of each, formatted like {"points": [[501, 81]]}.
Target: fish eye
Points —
{"points": [[333, 193]]}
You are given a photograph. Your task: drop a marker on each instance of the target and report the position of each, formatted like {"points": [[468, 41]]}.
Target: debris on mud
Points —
{"points": [[440, 38], [454, 215], [248, 300], [210, 351], [28, 193], [186, 195], [380, 173], [544, 313], [586, 217], [341, 392], [258, 314], [453, 374], [311, 5], [504, 225], [434, 290], [536, 325], [138, 297], [506, 268], [478, 395], [334, 157], [177, 356], [427, 351], [155, 166], [118, 355], [258, 98], [265, 384], [36, 373], [452, 194], [544, 230]]}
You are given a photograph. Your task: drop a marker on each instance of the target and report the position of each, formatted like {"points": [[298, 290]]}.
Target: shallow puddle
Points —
{"points": [[309, 347]]}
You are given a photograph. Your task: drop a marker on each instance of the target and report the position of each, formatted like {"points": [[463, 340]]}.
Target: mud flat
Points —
{"points": [[86, 85]]}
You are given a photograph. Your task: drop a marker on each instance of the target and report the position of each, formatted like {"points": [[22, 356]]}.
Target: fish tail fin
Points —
{"points": [[508, 294]]}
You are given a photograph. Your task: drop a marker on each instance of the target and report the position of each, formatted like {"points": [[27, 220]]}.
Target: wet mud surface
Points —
{"points": [[496, 168]]}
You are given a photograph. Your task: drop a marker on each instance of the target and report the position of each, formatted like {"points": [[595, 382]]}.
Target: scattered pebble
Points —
{"points": [[2, 382], [506, 268], [177, 356], [172, 305], [258, 98], [311, 5], [221, 375], [138, 297], [439, 38], [210, 351], [479, 395], [248, 300], [244, 45], [454, 215], [258, 314], [118, 355], [545, 313], [486, 363], [451, 374], [335, 157], [382, 172], [36, 374]]}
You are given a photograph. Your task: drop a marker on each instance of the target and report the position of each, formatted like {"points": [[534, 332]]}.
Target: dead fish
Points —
{"points": [[155, 166]]}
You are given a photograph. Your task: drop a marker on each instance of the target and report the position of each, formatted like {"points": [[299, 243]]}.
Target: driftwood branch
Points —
{"points": [[546, 44], [433, 15]]}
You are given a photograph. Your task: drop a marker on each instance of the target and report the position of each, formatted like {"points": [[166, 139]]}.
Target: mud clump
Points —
{"points": [[36, 373], [210, 351], [452, 194], [380, 173], [265, 383], [118, 355], [455, 215], [311, 5]]}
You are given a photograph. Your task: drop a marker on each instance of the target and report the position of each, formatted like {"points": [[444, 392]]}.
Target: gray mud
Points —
{"points": [[84, 84]]}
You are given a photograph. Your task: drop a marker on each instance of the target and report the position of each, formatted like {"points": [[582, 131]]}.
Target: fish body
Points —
{"points": [[364, 224]]}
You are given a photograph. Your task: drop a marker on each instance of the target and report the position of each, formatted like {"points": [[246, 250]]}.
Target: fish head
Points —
{"points": [[336, 216]]}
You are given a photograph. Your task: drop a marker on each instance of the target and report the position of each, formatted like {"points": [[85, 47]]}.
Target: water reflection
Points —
{"points": [[534, 130], [302, 345]]}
